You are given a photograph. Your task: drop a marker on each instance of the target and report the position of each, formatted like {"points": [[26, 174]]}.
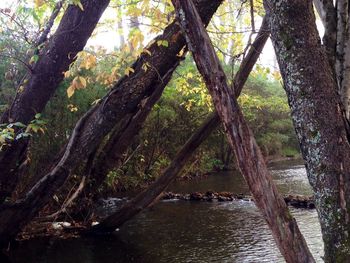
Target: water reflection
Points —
{"points": [[188, 231]]}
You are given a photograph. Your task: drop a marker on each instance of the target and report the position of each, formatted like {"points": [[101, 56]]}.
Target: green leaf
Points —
{"points": [[163, 43]]}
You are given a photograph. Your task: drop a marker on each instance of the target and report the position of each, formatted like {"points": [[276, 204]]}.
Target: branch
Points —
{"points": [[43, 37]]}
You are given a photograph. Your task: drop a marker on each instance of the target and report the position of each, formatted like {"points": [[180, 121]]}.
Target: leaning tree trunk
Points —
{"points": [[70, 38], [111, 155], [152, 193], [249, 158], [124, 98], [317, 116]]}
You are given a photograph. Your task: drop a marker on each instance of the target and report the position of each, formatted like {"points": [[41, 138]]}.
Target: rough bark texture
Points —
{"points": [[124, 98], [317, 117], [327, 12], [47, 29], [249, 158], [111, 156], [342, 53], [149, 196], [71, 36]]}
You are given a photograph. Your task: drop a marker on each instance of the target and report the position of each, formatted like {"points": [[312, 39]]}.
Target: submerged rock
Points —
{"points": [[297, 201]]}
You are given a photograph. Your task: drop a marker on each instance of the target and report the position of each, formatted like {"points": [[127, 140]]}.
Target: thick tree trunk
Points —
{"points": [[70, 37], [317, 117], [124, 98], [249, 158], [149, 196]]}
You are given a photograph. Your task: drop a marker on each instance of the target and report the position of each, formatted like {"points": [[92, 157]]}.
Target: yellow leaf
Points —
{"points": [[128, 70], [67, 74], [145, 66], [20, 89], [82, 81], [80, 6], [189, 75], [88, 61], [70, 91], [39, 3], [145, 50]]}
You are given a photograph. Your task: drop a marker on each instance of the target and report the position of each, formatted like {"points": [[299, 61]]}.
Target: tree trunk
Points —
{"points": [[327, 12], [124, 98], [249, 158], [70, 38], [317, 117], [149, 196], [110, 157]]}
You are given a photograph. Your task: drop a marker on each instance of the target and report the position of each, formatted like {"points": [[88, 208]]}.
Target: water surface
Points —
{"points": [[179, 231]]}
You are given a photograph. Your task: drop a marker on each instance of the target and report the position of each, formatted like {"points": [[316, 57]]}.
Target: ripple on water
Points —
{"points": [[196, 232]]}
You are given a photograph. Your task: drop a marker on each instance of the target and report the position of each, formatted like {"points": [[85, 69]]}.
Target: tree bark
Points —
{"points": [[149, 196], [110, 157], [249, 158], [70, 38], [342, 53], [44, 35], [317, 117], [123, 99], [328, 15]]}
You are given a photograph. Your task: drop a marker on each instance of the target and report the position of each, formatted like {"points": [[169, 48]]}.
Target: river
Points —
{"points": [[181, 232]]}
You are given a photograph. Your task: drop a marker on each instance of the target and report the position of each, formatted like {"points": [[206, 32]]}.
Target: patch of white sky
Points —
{"points": [[107, 35], [108, 38]]}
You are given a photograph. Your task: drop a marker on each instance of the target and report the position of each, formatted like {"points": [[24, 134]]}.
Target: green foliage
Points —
{"points": [[184, 105]]}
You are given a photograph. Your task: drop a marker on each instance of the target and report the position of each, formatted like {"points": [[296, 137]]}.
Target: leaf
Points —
{"points": [[145, 66], [39, 3], [163, 43], [20, 89], [70, 91], [95, 102], [77, 83], [33, 59], [145, 50], [77, 3], [72, 108], [82, 81], [128, 70], [88, 61], [80, 6], [66, 74]]}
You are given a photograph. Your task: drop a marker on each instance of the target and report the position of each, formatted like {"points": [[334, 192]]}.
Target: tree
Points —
{"points": [[249, 158], [317, 114], [312, 74], [124, 98], [153, 192], [41, 82]]}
